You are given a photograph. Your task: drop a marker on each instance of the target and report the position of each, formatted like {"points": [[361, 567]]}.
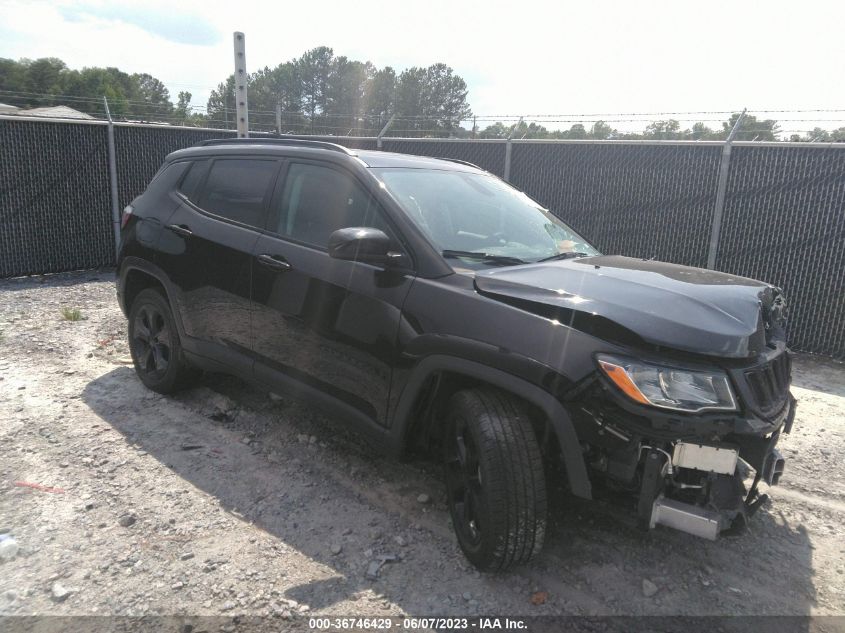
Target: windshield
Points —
{"points": [[479, 219]]}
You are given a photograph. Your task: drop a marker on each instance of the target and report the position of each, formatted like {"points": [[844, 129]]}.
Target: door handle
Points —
{"points": [[180, 229], [274, 262]]}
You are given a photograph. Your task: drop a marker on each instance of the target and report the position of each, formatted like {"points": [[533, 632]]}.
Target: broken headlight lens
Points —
{"points": [[669, 387]]}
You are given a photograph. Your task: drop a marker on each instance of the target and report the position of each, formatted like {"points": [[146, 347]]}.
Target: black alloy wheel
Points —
{"points": [[495, 482], [151, 340], [154, 344], [464, 484]]}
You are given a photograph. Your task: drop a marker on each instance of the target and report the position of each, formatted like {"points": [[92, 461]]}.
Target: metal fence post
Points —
{"points": [[115, 205], [241, 80], [506, 175], [384, 130], [719, 208]]}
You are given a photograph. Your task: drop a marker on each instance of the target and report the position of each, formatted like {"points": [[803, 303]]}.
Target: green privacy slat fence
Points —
{"points": [[783, 221]]}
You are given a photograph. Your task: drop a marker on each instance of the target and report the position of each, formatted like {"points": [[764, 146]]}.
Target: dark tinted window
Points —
{"points": [[317, 201], [166, 178], [193, 179], [236, 189]]}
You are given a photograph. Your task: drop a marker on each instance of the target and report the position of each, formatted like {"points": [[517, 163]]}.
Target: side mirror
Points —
{"points": [[361, 244]]}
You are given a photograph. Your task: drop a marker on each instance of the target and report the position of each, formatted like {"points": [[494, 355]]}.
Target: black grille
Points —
{"points": [[768, 385]]}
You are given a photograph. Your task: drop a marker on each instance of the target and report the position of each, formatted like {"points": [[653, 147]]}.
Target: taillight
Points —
{"points": [[127, 213]]}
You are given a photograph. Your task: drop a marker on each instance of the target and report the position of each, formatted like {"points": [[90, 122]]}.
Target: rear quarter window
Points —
{"points": [[193, 179], [167, 177]]}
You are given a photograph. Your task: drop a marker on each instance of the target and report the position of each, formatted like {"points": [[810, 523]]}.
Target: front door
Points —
{"points": [[325, 323]]}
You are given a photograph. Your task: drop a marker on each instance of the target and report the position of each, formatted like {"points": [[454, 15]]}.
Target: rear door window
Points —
{"points": [[237, 189]]}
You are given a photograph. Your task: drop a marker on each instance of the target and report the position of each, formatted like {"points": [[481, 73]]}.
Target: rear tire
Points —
{"points": [[154, 344], [495, 484]]}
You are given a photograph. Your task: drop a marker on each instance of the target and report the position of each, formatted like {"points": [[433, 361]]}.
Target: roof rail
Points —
{"points": [[278, 141], [461, 162]]}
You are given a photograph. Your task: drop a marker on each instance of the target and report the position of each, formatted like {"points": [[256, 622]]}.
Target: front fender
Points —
{"points": [[570, 447]]}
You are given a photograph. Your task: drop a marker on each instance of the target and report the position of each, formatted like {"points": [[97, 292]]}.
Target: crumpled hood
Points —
{"points": [[679, 307]]}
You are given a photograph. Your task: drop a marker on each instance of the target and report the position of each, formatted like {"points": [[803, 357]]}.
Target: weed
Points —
{"points": [[71, 314]]}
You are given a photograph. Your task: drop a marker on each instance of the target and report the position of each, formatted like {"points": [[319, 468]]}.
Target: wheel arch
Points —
{"points": [[437, 376], [137, 280], [137, 274]]}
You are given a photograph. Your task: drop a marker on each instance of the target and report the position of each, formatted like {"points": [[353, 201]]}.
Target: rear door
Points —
{"points": [[206, 249], [319, 322]]}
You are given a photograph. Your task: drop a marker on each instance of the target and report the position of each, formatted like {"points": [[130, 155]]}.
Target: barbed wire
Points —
{"points": [[544, 118], [362, 124]]}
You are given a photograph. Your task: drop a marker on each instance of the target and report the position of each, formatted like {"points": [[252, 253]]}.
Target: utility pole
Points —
{"points": [[721, 189], [240, 85], [278, 117]]}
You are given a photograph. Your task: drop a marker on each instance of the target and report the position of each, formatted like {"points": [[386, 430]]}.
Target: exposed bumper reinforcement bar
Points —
{"points": [[686, 518]]}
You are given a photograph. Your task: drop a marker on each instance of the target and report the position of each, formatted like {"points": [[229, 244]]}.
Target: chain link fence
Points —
{"points": [[489, 155], [55, 209], [784, 222], [642, 200], [783, 219]]}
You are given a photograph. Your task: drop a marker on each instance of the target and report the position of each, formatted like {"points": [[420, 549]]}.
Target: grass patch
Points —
{"points": [[71, 314]]}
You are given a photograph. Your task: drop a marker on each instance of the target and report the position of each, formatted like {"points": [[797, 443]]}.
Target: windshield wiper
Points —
{"points": [[504, 260], [567, 255]]}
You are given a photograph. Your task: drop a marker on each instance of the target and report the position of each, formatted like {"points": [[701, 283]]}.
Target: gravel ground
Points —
{"points": [[226, 500]]}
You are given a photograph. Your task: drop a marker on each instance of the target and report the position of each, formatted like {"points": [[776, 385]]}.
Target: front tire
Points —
{"points": [[154, 344], [495, 483]]}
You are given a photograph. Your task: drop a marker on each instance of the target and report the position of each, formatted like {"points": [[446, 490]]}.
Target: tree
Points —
{"points": [[270, 88], [221, 103], [380, 96], [497, 130], [663, 130], [183, 110], [577, 131], [13, 79], [45, 75], [701, 132], [284, 87], [323, 93], [432, 99], [150, 97], [602, 131], [314, 69], [95, 83], [345, 91], [750, 129], [48, 81], [820, 135]]}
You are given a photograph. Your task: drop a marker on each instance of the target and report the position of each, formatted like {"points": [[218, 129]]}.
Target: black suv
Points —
{"points": [[437, 308]]}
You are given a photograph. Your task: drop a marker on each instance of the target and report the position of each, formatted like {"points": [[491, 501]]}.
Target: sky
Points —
{"points": [[518, 58]]}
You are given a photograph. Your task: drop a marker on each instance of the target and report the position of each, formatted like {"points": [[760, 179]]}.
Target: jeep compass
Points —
{"points": [[435, 308]]}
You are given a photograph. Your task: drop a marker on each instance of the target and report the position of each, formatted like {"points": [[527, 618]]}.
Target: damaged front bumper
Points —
{"points": [[723, 503], [690, 473], [701, 488]]}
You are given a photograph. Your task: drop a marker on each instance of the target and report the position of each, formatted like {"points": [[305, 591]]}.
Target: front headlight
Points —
{"points": [[669, 387]]}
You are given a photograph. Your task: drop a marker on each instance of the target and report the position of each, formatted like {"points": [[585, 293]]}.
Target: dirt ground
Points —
{"points": [[226, 500]]}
